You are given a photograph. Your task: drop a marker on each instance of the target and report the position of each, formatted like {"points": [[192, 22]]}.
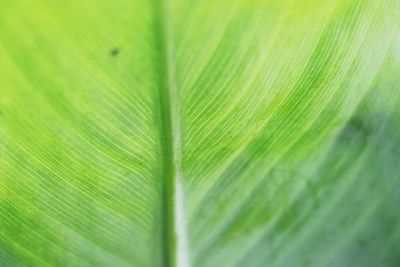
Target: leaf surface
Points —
{"points": [[199, 133]]}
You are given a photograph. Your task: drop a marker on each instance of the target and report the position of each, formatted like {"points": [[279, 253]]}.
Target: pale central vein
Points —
{"points": [[174, 237]]}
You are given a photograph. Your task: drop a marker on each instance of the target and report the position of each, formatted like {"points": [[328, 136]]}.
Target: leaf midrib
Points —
{"points": [[172, 229]]}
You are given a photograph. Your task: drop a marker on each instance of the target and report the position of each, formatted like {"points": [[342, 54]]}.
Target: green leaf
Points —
{"points": [[200, 133]]}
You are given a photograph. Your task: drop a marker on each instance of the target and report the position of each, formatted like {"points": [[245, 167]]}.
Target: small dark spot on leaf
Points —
{"points": [[357, 128], [114, 52]]}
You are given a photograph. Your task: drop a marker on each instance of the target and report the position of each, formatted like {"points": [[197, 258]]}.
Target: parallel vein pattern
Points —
{"points": [[199, 133], [80, 173]]}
